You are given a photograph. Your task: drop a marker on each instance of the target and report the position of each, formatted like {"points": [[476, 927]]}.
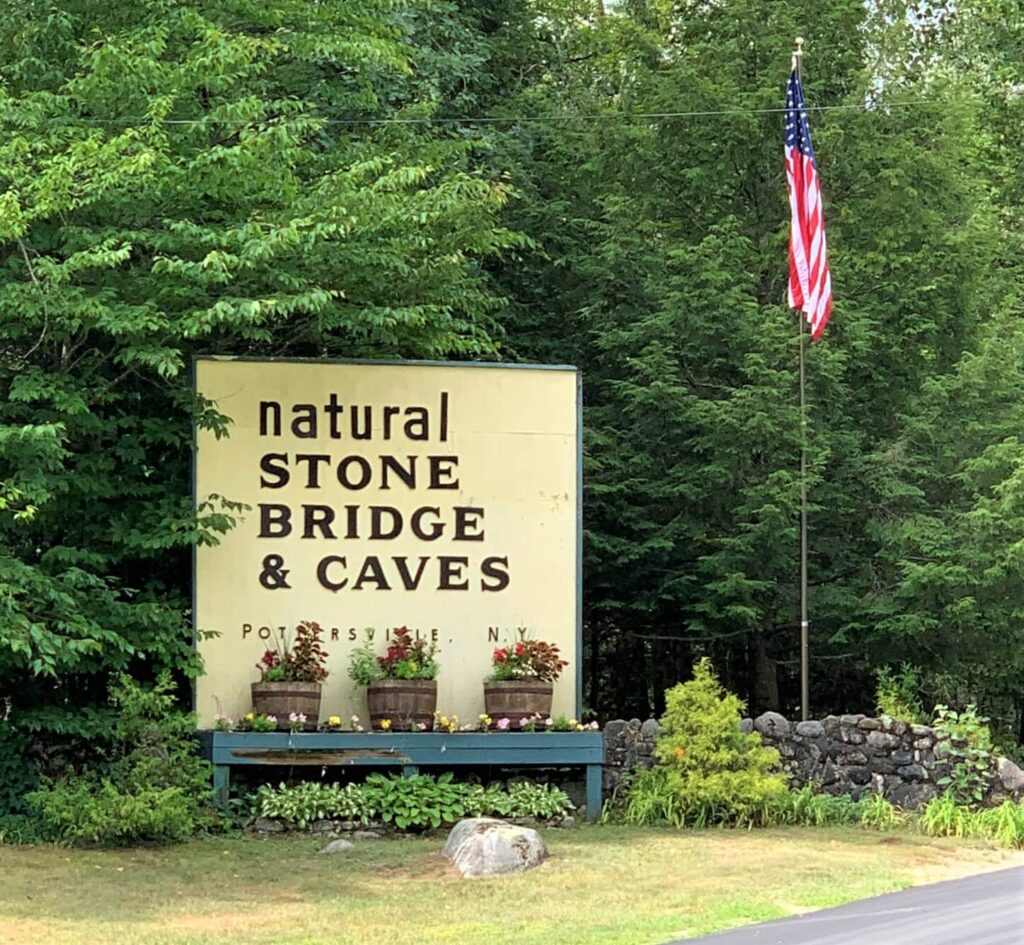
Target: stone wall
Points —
{"points": [[627, 745], [847, 754]]}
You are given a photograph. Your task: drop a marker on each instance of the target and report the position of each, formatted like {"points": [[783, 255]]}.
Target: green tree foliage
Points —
{"points": [[183, 177], [661, 270], [707, 770], [190, 176]]}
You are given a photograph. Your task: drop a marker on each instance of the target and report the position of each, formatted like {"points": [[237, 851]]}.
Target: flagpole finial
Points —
{"points": [[798, 54]]}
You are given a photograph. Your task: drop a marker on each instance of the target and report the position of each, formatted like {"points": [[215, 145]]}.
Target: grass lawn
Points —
{"points": [[602, 885]]}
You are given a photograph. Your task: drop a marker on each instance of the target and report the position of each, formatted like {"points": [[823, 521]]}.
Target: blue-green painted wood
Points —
{"points": [[221, 785], [593, 795], [417, 756], [540, 742], [410, 751]]}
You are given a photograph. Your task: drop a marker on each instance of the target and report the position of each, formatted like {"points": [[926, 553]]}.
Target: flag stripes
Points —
{"points": [[810, 284]]}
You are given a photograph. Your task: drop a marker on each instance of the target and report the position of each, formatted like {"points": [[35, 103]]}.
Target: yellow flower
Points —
{"points": [[385, 724], [250, 716], [334, 721]]}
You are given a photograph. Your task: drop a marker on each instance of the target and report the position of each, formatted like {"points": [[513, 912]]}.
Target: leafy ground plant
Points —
{"points": [[308, 801], [968, 749], [415, 803]]}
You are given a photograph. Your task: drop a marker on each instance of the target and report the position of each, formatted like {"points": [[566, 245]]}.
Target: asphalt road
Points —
{"points": [[981, 910]]}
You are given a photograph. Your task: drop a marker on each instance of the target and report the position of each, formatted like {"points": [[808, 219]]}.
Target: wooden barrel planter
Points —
{"points": [[516, 699], [281, 699], [406, 703]]}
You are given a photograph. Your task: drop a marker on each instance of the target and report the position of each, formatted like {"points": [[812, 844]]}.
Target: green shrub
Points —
{"points": [[968, 749], [897, 693], [17, 772], [82, 810], [152, 786], [707, 770], [21, 828], [307, 801]]}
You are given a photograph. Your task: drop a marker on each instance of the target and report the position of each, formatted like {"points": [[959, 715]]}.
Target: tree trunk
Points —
{"points": [[766, 679]]}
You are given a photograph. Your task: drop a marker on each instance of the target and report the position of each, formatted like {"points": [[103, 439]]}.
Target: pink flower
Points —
{"points": [[503, 724], [548, 722]]}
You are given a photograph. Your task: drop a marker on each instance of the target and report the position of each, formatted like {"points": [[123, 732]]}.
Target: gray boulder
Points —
{"points": [[338, 846], [650, 728], [484, 846], [772, 725], [1010, 776]]}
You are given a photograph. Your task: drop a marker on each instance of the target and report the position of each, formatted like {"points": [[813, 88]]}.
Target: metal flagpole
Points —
{"points": [[805, 627]]}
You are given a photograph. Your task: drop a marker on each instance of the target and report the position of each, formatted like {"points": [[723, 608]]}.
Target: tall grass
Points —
{"points": [[806, 808], [943, 817]]}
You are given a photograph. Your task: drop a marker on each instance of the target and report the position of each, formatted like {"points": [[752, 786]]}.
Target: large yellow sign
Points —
{"points": [[443, 498]]}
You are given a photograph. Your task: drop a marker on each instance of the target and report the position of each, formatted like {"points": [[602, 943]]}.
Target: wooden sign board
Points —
{"points": [[440, 497]]}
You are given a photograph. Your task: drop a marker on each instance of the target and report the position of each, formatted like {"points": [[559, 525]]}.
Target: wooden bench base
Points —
{"points": [[409, 751]]}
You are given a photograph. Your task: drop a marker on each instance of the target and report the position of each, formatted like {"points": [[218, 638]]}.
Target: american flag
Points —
{"points": [[810, 285]]}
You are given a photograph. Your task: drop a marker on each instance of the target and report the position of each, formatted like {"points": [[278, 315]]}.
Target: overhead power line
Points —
{"points": [[510, 120]]}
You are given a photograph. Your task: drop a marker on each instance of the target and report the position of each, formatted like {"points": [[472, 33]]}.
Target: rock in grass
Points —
{"points": [[338, 846], [1010, 776], [484, 846]]}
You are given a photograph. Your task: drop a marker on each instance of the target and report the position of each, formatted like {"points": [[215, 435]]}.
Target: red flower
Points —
{"points": [[520, 649], [500, 655], [269, 658]]}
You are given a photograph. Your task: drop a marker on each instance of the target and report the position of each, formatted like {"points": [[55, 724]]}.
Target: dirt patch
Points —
{"points": [[218, 923], [938, 864], [23, 931]]}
